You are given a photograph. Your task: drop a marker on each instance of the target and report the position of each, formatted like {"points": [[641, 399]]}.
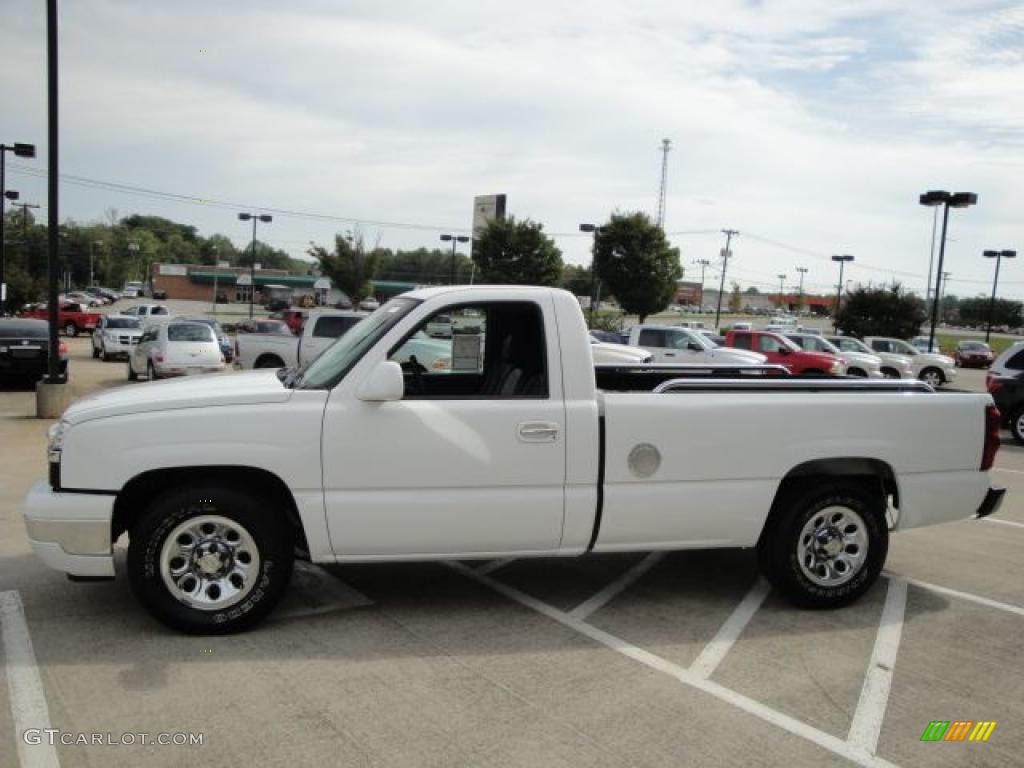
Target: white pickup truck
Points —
{"points": [[269, 350], [676, 345], [520, 448]]}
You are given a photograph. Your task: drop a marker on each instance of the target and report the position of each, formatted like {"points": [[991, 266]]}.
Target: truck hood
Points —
{"points": [[736, 356], [250, 388], [861, 357]]}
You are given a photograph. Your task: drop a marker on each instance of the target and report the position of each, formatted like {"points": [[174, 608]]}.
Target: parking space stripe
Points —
{"points": [[713, 653], [1011, 471], [874, 695], [757, 709], [494, 565], [1002, 522], [24, 686], [595, 603], [1009, 608]]}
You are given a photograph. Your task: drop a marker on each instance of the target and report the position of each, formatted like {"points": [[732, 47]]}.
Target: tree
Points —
{"points": [[575, 279], [752, 291], [351, 266], [1005, 312], [636, 263], [881, 312], [507, 251], [735, 300]]}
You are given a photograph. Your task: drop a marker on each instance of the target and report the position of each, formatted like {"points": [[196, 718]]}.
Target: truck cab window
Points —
{"points": [[494, 351], [650, 337], [741, 340]]}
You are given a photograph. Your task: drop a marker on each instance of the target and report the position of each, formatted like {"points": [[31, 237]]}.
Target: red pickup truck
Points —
{"points": [[781, 351], [72, 317]]}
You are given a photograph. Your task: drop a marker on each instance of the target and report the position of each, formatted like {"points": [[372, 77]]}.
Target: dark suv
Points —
{"points": [[1005, 382]]}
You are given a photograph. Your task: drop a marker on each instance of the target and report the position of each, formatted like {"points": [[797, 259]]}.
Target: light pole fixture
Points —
{"points": [[19, 150], [266, 218], [726, 254], [455, 240], [595, 230], [842, 259], [998, 256], [949, 200], [704, 264], [94, 243], [782, 282], [800, 290]]}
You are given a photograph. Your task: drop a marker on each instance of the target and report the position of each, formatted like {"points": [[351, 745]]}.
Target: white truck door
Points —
{"points": [[471, 461]]}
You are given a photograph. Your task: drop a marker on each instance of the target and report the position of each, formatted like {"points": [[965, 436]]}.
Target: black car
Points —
{"points": [[23, 350]]}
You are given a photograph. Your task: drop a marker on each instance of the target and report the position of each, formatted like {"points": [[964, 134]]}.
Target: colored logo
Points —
{"points": [[958, 730]]}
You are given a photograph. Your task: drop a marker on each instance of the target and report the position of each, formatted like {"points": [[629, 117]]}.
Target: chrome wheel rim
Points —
{"points": [[1020, 425], [209, 562], [832, 546], [931, 378]]}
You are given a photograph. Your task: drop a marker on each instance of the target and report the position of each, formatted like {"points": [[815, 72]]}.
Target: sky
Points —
{"points": [[810, 127]]}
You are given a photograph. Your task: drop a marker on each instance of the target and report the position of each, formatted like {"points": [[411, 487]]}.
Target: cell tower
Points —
{"points": [[666, 145]]}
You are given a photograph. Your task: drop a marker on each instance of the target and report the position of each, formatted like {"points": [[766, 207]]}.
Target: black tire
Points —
{"points": [[268, 361], [151, 371], [859, 373], [104, 356], [269, 532], [1017, 425], [890, 373], [132, 375], [932, 372], [70, 330], [95, 352], [778, 549]]}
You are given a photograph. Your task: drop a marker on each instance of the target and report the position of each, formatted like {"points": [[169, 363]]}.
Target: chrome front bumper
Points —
{"points": [[70, 532]]}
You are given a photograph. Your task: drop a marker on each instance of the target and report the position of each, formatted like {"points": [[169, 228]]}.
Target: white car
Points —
{"points": [[322, 328], [893, 366], [175, 348], [670, 344], [115, 335], [929, 367], [429, 353], [606, 353], [147, 311], [860, 364], [513, 453], [440, 327]]}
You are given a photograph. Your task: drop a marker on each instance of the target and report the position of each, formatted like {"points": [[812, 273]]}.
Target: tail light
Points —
{"points": [[158, 357], [62, 350], [988, 453], [992, 383]]}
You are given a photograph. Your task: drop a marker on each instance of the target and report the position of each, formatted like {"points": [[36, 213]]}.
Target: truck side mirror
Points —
{"points": [[384, 384]]}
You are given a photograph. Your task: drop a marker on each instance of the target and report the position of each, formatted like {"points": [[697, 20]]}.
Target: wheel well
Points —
{"points": [[889, 369], [141, 489], [933, 368], [268, 357], [856, 368], [873, 475]]}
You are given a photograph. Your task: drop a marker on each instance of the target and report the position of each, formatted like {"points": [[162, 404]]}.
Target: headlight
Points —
{"points": [[836, 369], [55, 443]]}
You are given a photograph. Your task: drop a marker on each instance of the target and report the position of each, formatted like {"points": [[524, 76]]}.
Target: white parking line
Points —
{"points": [[1008, 607], [874, 696], [713, 653], [24, 686], [494, 565], [755, 708], [1011, 471], [1002, 522], [598, 601]]}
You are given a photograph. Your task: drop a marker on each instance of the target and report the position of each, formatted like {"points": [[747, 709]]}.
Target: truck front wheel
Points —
{"points": [[210, 560], [824, 548]]}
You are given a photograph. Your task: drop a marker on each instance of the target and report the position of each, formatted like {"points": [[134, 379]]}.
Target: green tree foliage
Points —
{"points": [[507, 251], [350, 265], [636, 264], [576, 279], [887, 311], [752, 291], [1004, 312], [423, 266], [735, 299]]}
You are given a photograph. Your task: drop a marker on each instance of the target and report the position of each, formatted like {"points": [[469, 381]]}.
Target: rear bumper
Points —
{"points": [[70, 532], [993, 500]]}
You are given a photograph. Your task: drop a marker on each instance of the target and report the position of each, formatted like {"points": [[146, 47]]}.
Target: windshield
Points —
{"points": [[903, 348], [335, 361], [123, 322]]}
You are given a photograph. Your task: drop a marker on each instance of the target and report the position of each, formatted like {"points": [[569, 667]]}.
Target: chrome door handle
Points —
{"points": [[538, 432]]}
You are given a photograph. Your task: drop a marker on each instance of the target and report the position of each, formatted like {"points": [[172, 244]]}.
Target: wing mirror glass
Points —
{"points": [[384, 384]]}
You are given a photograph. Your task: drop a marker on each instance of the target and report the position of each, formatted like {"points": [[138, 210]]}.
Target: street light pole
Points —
{"points": [[266, 218], [800, 290], [726, 253], [703, 264], [949, 200], [842, 259], [92, 280], [998, 256], [782, 282], [596, 230], [19, 150], [455, 240]]}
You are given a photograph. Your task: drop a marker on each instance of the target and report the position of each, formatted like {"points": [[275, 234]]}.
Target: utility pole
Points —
{"points": [[666, 146], [726, 253], [800, 290]]}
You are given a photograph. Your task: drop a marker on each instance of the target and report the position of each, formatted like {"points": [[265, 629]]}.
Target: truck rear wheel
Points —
{"points": [[210, 560], [825, 547], [70, 329], [1017, 425]]}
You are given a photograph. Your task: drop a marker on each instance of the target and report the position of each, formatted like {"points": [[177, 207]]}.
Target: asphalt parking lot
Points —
{"points": [[645, 660]]}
